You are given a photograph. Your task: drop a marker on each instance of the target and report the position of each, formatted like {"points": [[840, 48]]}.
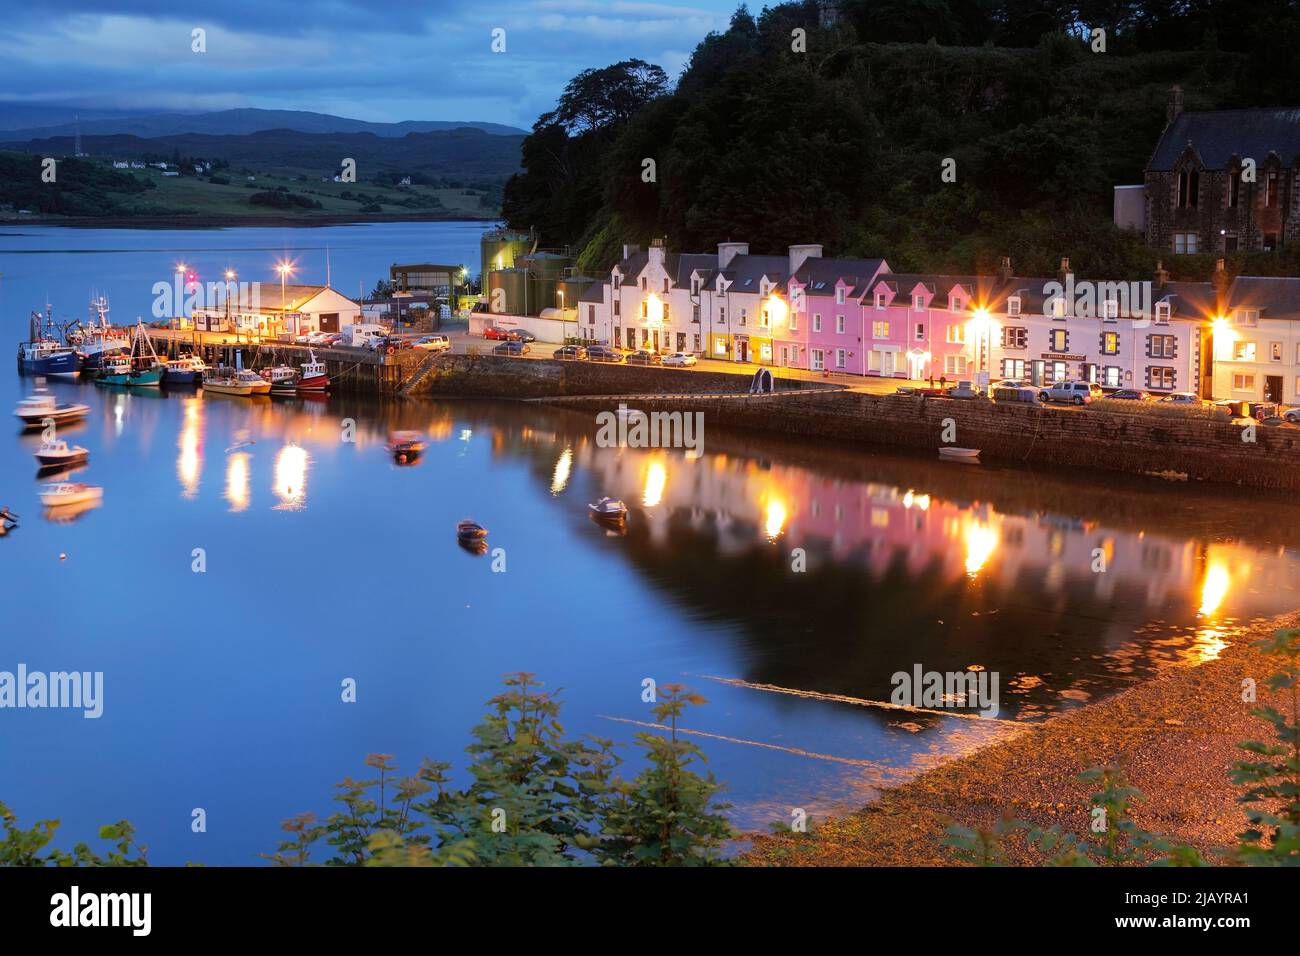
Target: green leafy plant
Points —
{"points": [[1273, 780], [33, 847]]}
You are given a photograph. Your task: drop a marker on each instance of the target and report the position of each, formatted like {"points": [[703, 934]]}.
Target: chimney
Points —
{"points": [[729, 250], [630, 250], [1175, 103], [1004, 270], [1162, 274], [656, 252], [801, 254], [1064, 274]]}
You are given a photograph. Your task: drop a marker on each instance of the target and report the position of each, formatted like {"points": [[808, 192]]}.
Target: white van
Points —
{"points": [[363, 335]]}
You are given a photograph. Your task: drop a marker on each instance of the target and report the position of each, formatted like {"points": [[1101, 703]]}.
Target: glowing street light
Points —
{"points": [[285, 269]]}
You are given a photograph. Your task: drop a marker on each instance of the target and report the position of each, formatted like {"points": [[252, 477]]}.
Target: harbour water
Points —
{"points": [[787, 582]]}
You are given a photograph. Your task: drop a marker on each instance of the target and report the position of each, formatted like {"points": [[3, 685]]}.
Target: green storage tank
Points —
{"points": [[508, 291], [541, 294], [574, 287], [546, 265], [499, 248]]}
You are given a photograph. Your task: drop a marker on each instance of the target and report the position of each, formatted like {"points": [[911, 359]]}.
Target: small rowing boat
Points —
{"points": [[468, 530], [608, 509], [959, 454], [63, 493]]}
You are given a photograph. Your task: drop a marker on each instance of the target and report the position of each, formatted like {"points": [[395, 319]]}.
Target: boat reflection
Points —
{"points": [[189, 458], [66, 514], [237, 482]]}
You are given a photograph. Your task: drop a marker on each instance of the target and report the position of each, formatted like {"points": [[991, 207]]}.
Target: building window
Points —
{"points": [[1246, 317], [1270, 190], [1243, 351], [645, 309], [591, 315], [839, 358], [880, 300], [839, 295], [665, 286], [1186, 243], [617, 305], [1234, 188], [956, 334], [1162, 346], [1060, 340], [618, 281], [1110, 343], [1015, 337], [954, 303], [1110, 310], [1160, 378], [1058, 308], [920, 332], [643, 284], [765, 351], [695, 285], [817, 321], [1189, 188], [744, 316], [1055, 372], [1162, 313], [839, 325], [695, 313], [794, 321], [1013, 368], [918, 302], [1110, 376], [1275, 351], [720, 345], [1243, 383], [1013, 305], [722, 314], [764, 319], [954, 364], [1270, 241], [818, 360], [880, 330], [695, 344]]}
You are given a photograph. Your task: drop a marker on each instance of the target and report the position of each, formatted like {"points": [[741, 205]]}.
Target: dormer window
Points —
{"points": [[918, 302], [1247, 317], [880, 300], [1058, 308], [618, 280], [1013, 305], [1110, 310], [1162, 313], [695, 285], [665, 285], [954, 303], [839, 295], [1189, 189]]}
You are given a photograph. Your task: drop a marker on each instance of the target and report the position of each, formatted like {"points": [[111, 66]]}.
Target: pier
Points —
{"points": [[350, 369]]}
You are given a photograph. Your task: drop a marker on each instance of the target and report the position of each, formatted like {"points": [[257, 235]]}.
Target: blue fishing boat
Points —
{"points": [[97, 340], [43, 353], [186, 370]]}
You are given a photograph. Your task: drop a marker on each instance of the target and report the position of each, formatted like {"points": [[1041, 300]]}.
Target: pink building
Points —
{"points": [[826, 310]]}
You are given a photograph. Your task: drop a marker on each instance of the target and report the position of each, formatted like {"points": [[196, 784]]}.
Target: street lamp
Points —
{"points": [[285, 269]]}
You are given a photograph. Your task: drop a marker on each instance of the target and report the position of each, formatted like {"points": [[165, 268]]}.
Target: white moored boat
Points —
{"points": [[62, 493], [230, 381], [36, 408], [57, 453]]}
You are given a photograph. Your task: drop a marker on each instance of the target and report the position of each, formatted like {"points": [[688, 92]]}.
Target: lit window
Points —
{"points": [[1243, 383], [1243, 351]]}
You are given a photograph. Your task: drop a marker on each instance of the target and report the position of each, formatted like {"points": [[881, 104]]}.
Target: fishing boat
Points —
{"points": [[97, 340], [234, 381], [608, 509], [35, 409], [283, 379], [57, 453], [43, 353], [959, 454], [63, 493], [406, 446], [469, 530], [140, 369], [314, 377], [186, 370]]}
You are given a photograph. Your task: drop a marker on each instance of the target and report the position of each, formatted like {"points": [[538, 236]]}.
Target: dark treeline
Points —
{"points": [[844, 142]]}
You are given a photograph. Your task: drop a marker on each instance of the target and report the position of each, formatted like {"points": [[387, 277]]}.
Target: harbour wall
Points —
{"points": [[1175, 448]]}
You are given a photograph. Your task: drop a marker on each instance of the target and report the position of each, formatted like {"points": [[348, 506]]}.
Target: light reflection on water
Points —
{"points": [[907, 561]]}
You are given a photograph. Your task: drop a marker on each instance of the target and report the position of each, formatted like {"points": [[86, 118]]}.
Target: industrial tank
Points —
{"points": [[507, 291], [499, 248]]}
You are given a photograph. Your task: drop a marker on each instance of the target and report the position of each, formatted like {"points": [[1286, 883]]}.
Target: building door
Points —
{"points": [[681, 341], [1036, 373], [1272, 388], [742, 350], [329, 321], [631, 338], [887, 364], [656, 340]]}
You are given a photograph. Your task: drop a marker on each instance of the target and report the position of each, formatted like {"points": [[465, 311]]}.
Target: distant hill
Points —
{"points": [[237, 122], [453, 153]]}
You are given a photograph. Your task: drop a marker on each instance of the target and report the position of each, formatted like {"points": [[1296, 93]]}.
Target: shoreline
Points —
{"points": [[222, 222], [1176, 736]]}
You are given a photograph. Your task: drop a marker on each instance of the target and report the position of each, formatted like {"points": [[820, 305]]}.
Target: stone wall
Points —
{"points": [[1062, 437], [498, 376]]}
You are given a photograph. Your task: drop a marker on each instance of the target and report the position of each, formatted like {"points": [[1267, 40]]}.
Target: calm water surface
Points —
{"points": [[326, 561]]}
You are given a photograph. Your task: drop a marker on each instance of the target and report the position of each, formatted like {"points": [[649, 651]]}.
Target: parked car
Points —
{"points": [[492, 332], [522, 335], [645, 357], [331, 340], [1182, 398], [388, 342], [1131, 395], [1077, 393], [603, 353], [680, 358], [434, 343], [511, 347], [1292, 415], [1012, 383], [572, 353]]}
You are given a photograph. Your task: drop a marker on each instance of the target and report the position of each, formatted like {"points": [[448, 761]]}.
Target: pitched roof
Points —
{"points": [[748, 270], [989, 291], [1196, 301], [821, 275], [294, 295], [596, 291], [1219, 135], [1276, 297]]}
